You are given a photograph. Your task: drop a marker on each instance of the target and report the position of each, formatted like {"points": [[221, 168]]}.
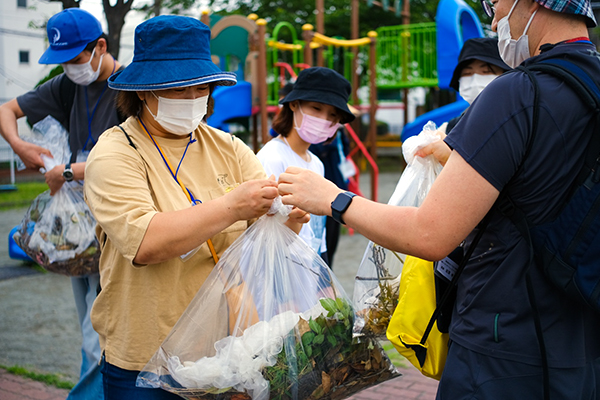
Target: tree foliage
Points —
{"points": [[337, 13]]}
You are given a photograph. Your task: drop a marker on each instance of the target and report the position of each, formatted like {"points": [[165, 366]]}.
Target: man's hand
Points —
{"points": [[29, 153], [55, 179], [307, 190]]}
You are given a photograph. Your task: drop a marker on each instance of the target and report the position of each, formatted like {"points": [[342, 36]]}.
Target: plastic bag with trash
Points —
{"points": [[377, 280], [283, 331], [57, 231]]}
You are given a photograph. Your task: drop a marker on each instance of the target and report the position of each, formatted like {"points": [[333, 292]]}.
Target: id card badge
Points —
{"points": [[347, 169], [190, 254], [446, 268]]}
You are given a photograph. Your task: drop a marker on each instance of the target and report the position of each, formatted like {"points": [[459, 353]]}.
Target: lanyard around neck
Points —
{"points": [[90, 118], [185, 190]]}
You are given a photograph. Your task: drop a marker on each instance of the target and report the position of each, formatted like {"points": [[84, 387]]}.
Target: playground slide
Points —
{"points": [[439, 116], [231, 102]]}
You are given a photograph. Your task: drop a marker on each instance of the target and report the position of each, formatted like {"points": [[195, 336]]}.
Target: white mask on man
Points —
{"points": [[180, 116], [83, 74], [512, 51], [470, 86]]}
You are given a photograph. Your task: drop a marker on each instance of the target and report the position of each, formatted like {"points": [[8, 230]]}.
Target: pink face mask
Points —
{"points": [[315, 130]]}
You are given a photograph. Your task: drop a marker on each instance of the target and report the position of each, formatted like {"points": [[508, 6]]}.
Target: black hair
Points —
{"points": [[284, 121], [91, 45]]}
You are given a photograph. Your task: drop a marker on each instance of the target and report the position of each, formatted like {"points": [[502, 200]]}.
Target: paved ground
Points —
{"points": [[39, 329]]}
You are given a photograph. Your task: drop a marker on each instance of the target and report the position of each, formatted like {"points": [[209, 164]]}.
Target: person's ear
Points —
{"points": [[142, 95], [294, 105], [101, 46]]}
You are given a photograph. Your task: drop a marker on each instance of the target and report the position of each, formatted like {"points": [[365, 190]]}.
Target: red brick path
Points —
{"points": [[410, 386]]}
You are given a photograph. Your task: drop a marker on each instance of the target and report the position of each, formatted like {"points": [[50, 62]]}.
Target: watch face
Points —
{"points": [[68, 175]]}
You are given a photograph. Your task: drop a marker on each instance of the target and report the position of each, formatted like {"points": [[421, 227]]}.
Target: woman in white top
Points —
{"points": [[312, 113]]}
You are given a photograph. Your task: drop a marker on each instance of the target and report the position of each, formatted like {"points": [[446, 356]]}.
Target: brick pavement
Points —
{"points": [[410, 386], [14, 387]]}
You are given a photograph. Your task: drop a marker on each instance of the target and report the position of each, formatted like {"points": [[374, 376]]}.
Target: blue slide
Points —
{"points": [[231, 102], [456, 23], [439, 116]]}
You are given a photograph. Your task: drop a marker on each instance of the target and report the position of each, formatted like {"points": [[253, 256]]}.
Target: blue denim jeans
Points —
{"points": [[119, 384], [89, 386]]}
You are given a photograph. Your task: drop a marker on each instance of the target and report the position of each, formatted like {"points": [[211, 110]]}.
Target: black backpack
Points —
{"points": [[568, 248]]}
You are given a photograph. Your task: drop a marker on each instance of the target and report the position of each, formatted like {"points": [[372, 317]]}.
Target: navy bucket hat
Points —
{"points": [[69, 32], [325, 86], [170, 51], [484, 49]]}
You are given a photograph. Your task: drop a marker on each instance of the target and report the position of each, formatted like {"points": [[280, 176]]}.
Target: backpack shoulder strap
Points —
{"points": [[127, 136], [587, 90], [67, 96]]}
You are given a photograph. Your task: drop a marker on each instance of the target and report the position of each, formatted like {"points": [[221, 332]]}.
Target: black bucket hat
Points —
{"points": [[325, 86], [484, 49]]}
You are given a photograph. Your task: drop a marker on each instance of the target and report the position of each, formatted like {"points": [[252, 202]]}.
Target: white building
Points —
{"points": [[21, 45]]}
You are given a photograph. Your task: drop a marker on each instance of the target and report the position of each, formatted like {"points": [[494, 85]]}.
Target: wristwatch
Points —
{"points": [[68, 173], [340, 205]]}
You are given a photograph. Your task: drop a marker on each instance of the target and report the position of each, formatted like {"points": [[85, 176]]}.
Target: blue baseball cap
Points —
{"points": [[170, 51], [69, 32]]}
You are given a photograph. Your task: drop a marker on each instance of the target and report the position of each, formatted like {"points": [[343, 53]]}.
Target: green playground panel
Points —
{"points": [[406, 56]]}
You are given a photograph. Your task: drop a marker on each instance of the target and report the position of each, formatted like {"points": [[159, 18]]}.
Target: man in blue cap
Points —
{"points": [[81, 100], [495, 350]]}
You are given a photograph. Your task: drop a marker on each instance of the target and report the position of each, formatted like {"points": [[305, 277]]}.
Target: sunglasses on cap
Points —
{"points": [[488, 8]]}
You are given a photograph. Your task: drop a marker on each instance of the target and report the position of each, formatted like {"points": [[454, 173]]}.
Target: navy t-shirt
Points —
{"points": [[492, 314], [99, 109]]}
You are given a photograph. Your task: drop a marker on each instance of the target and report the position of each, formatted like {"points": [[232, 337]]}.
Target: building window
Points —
{"points": [[24, 56], [22, 3]]}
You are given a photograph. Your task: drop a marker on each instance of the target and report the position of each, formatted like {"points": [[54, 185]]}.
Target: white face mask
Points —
{"points": [[512, 51], [83, 74], [470, 86], [180, 116]]}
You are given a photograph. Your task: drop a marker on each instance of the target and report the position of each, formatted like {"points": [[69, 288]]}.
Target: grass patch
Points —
{"points": [[23, 196], [55, 380], [395, 357]]}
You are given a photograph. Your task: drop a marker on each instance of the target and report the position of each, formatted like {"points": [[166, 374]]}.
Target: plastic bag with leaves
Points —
{"points": [[378, 277], [283, 331], [57, 231]]}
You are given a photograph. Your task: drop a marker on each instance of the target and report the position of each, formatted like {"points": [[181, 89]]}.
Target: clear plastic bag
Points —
{"points": [[270, 322], [57, 231], [378, 277]]}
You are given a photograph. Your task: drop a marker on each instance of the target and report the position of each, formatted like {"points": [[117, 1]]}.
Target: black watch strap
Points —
{"points": [[340, 205]]}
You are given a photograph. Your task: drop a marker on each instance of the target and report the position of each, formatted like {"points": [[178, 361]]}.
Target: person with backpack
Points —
{"points": [[524, 140], [82, 102]]}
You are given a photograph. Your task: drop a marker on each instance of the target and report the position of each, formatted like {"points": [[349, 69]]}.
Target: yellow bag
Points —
{"points": [[416, 305]]}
